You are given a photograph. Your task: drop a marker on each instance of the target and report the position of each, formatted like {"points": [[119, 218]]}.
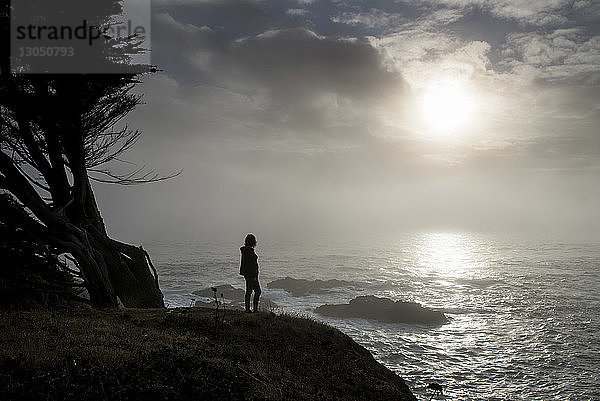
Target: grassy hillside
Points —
{"points": [[184, 354]]}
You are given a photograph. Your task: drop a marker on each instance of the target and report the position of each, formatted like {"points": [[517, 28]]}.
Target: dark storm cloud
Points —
{"points": [[293, 59], [297, 61], [230, 17], [283, 81]]}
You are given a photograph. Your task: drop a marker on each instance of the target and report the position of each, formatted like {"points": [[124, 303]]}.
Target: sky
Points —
{"points": [[294, 118]]}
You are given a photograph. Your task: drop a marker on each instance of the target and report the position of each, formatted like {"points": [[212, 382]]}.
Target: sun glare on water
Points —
{"points": [[446, 106]]}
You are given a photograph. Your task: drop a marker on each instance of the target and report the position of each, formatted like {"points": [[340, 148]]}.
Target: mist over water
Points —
{"points": [[524, 314]]}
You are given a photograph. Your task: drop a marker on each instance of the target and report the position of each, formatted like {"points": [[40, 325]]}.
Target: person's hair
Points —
{"points": [[250, 240]]}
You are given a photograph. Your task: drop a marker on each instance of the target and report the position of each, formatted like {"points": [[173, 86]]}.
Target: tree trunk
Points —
{"points": [[129, 271], [110, 268], [122, 269]]}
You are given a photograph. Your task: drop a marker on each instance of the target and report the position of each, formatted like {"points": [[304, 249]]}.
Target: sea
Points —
{"points": [[524, 314]]}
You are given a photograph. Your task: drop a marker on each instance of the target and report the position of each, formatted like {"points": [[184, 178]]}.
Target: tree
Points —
{"points": [[31, 274], [57, 133]]}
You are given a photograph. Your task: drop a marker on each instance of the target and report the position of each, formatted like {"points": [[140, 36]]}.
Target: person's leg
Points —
{"points": [[257, 293], [248, 293]]}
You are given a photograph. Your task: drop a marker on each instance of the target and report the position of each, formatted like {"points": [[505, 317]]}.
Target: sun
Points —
{"points": [[446, 105]]}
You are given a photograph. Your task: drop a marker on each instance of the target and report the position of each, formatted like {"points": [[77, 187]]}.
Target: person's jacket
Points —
{"points": [[249, 264]]}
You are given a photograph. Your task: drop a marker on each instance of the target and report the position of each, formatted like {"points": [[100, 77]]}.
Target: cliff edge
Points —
{"points": [[186, 353]]}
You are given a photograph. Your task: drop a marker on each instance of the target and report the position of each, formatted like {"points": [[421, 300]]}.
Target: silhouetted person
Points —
{"points": [[249, 269]]}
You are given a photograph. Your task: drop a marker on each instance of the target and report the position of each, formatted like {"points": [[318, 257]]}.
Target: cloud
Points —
{"points": [[289, 57], [297, 61], [423, 56], [533, 12], [285, 82], [563, 54], [301, 90], [286, 120], [373, 19], [297, 11]]}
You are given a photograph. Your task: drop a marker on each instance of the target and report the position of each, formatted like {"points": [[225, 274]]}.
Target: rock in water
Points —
{"points": [[385, 310], [299, 286], [228, 291]]}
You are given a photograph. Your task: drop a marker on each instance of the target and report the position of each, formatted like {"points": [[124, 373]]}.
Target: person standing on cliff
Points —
{"points": [[249, 269]]}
